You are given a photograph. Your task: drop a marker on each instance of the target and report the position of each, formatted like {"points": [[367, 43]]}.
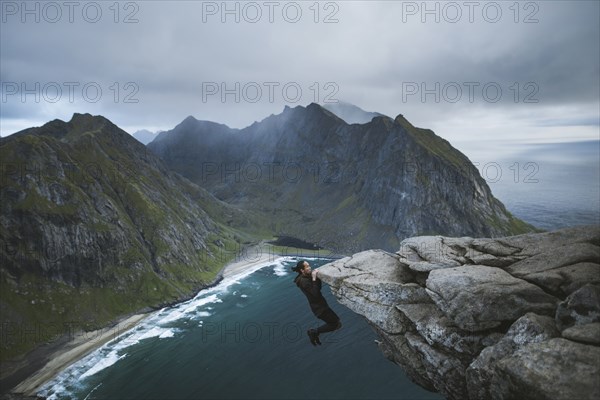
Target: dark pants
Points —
{"points": [[332, 321]]}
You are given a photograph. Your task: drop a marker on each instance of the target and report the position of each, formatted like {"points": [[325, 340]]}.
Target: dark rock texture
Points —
{"points": [[508, 318], [348, 187]]}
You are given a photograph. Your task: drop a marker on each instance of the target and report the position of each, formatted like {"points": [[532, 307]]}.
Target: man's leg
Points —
{"points": [[332, 322], [313, 336]]}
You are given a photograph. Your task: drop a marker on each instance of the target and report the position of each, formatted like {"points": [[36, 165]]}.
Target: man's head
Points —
{"points": [[303, 267]]}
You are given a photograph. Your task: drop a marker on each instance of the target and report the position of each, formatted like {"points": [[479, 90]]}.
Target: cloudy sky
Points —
{"points": [[474, 72]]}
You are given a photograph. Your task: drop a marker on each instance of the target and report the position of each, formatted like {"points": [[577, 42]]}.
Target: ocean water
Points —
{"points": [[550, 186], [244, 338]]}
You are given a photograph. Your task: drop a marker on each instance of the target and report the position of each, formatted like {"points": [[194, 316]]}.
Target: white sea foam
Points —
{"points": [[71, 378], [58, 391], [92, 391], [280, 269], [169, 333], [172, 316], [154, 332], [188, 308], [110, 359], [233, 279]]}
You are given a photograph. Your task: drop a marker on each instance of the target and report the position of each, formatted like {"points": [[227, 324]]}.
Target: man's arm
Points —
{"points": [[314, 274], [312, 287]]}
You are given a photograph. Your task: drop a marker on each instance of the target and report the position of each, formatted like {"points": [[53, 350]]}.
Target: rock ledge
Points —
{"points": [[484, 318]]}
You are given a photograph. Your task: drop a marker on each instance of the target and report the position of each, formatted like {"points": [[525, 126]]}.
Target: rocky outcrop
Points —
{"points": [[515, 317], [308, 174]]}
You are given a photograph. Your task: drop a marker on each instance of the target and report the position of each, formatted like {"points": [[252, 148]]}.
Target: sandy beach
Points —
{"points": [[252, 256], [86, 342], [79, 347], [264, 252]]}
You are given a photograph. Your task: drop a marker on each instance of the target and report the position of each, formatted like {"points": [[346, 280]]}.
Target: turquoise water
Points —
{"points": [[245, 338]]}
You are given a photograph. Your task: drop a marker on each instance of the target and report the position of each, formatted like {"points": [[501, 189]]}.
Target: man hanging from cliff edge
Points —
{"points": [[310, 285]]}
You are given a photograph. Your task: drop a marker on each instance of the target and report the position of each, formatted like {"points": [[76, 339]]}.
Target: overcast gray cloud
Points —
{"points": [[526, 71]]}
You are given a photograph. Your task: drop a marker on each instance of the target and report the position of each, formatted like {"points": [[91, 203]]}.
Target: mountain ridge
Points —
{"points": [[355, 177]]}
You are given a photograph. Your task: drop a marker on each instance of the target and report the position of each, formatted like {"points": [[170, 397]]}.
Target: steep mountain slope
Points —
{"points": [[93, 226], [311, 175]]}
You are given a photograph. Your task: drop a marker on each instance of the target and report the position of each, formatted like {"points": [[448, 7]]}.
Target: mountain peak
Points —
{"points": [[350, 113], [77, 116], [403, 121], [188, 123], [191, 123], [88, 119], [82, 123], [193, 131], [61, 130], [316, 109], [189, 119]]}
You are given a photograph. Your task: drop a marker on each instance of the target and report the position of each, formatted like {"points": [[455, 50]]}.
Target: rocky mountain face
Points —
{"points": [[507, 318], [310, 175], [93, 226]]}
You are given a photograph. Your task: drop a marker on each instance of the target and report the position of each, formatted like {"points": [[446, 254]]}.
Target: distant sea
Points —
{"points": [[550, 186]]}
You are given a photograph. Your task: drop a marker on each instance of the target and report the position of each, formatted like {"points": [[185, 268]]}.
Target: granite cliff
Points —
{"points": [[306, 173], [507, 318]]}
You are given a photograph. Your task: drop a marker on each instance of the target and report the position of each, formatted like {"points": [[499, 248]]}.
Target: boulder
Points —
{"points": [[530, 328], [561, 269], [478, 297], [581, 307], [587, 334], [554, 369]]}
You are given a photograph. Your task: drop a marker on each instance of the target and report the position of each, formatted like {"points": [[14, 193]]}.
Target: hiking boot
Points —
{"points": [[317, 338], [313, 336]]}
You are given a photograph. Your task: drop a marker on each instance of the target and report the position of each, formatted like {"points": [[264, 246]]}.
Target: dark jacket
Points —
{"points": [[312, 291]]}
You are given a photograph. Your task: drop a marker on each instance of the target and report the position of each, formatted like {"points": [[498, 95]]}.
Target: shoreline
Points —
{"points": [[74, 351], [60, 355]]}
